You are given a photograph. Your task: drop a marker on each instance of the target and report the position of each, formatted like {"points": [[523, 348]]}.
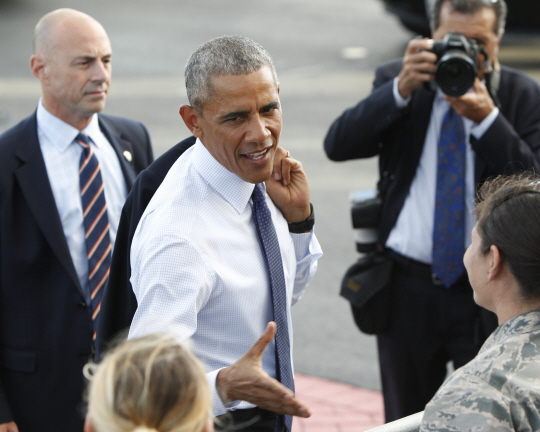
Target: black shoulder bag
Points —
{"points": [[366, 284]]}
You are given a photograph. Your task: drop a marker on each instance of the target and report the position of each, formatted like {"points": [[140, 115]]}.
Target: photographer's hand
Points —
{"points": [[475, 105], [418, 66]]}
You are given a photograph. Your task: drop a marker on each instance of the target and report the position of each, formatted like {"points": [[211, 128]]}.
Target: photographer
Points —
{"points": [[443, 147]]}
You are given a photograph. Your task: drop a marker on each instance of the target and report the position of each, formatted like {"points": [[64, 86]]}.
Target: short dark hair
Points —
{"points": [[508, 211], [471, 7]]}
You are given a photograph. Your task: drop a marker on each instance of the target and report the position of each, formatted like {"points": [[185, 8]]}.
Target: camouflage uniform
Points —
{"points": [[499, 390]]}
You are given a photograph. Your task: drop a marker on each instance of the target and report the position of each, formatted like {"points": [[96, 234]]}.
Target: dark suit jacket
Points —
{"points": [[119, 304], [45, 326], [376, 126]]}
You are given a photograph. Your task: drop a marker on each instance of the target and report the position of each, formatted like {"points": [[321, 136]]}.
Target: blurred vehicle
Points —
{"points": [[523, 15]]}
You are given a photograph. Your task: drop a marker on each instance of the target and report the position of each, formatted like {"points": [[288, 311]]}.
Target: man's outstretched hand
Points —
{"points": [[246, 380]]}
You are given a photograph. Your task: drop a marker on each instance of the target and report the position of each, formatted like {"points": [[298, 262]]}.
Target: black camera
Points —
{"points": [[457, 63], [365, 213]]}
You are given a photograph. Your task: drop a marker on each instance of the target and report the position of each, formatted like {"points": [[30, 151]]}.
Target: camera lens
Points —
{"points": [[455, 73]]}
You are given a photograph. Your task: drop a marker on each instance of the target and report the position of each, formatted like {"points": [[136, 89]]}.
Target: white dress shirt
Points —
{"points": [[198, 269], [62, 156], [412, 235]]}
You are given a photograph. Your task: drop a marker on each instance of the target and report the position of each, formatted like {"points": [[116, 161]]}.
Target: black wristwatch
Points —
{"points": [[305, 225]]}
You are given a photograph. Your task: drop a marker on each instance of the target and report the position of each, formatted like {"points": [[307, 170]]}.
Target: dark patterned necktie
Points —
{"points": [[449, 221], [96, 226], [268, 236]]}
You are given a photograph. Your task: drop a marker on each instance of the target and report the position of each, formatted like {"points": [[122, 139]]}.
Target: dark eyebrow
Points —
{"points": [[271, 105], [90, 58], [234, 114]]}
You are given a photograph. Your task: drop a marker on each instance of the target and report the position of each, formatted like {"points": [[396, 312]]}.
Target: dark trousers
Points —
{"points": [[429, 326], [247, 420]]}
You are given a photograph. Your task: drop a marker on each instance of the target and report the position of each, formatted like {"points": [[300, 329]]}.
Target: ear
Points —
{"points": [[495, 263], [37, 66], [192, 119], [88, 424]]}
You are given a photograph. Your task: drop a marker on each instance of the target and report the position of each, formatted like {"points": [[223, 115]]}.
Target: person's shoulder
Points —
{"points": [[122, 125], [390, 68], [182, 187], [163, 163], [12, 139], [514, 78], [29, 124]]}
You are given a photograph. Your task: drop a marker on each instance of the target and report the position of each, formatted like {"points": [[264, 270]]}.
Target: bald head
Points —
{"points": [[53, 26], [72, 59]]}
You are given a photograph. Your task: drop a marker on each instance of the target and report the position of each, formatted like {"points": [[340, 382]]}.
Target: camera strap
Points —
{"points": [[493, 77]]}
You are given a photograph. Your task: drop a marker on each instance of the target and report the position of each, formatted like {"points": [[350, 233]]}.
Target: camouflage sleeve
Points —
{"points": [[467, 403]]}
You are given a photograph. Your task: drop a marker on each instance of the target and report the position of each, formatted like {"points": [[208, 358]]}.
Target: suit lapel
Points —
{"points": [[419, 113], [422, 104], [122, 147], [34, 183]]}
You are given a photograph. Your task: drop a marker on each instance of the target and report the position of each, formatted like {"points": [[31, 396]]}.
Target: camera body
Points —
{"points": [[457, 63]]}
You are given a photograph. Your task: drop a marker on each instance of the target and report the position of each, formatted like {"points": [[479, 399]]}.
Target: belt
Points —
{"points": [[413, 268], [245, 418]]}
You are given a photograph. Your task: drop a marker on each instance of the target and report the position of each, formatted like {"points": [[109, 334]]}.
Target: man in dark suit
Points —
{"points": [[119, 303], [433, 316], [65, 172]]}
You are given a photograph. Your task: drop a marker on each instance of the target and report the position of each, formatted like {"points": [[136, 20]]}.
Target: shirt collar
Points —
{"points": [[520, 324], [58, 132], [230, 186]]}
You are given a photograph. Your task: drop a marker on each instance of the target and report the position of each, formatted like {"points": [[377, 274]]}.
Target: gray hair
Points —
{"points": [[471, 7], [225, 55]]}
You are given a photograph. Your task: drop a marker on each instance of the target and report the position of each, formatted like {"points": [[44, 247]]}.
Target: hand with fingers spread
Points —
{"points": [[246, 380], [288, 187], [475, 105], [9, 427], [418, 66]]}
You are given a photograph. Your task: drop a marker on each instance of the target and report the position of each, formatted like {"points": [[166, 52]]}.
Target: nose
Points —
{"points": [[257, 130], [101, 71]]}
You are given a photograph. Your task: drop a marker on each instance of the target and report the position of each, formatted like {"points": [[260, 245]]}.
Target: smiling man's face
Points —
{"points": [[241, 124]]}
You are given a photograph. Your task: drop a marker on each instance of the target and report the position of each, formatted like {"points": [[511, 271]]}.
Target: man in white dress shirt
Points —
{"points": [[198, 267]]}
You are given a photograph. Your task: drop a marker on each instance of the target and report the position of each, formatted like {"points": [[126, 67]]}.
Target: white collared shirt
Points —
{"points": [[412, 235], [198, 269], [62, 157]]}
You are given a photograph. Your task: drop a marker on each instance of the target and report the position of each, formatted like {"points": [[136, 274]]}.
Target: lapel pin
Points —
{"points": [[127, 155]]}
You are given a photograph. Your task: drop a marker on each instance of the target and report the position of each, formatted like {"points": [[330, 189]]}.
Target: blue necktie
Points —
{"points": [[96, 226], [449, 221], [268, 236]]}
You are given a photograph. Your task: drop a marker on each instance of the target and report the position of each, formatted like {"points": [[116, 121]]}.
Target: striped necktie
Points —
{"points": [[449, 220], [272, 253], [96, 226]]}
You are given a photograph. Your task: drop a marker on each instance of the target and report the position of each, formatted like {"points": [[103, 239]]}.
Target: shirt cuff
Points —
{"points": [[218, 408], [478, 130], [302, 243], [400, 102]]}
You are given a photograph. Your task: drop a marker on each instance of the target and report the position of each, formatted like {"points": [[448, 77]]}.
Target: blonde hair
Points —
{"points": [[152, 383]]}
